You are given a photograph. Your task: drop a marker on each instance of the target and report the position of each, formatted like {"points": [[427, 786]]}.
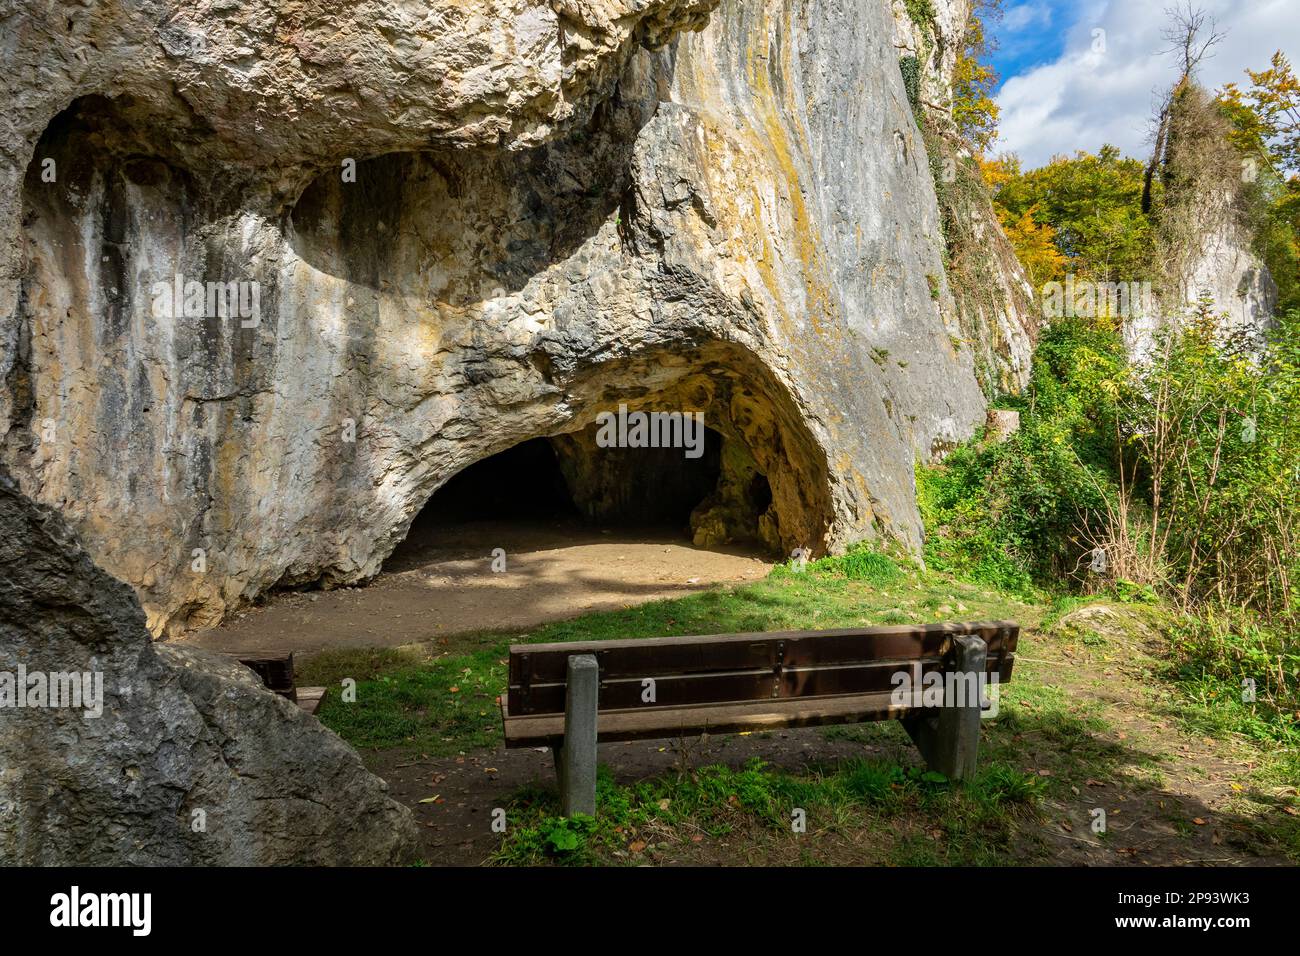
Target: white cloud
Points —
{"points": [[1087, 97], [1025, 15]]}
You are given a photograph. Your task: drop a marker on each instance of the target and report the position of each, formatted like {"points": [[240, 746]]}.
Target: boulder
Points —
{"points": [[1111, 622], [1001, 424], [117, 751]]}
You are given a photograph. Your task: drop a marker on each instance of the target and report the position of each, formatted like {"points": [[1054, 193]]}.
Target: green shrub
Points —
{"points": [[1213, 430], [1215, 654], [911, 70], [1012, 514]]}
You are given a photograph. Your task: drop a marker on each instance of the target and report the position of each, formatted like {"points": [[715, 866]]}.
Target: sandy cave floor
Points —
{"points": [[443, 584]]}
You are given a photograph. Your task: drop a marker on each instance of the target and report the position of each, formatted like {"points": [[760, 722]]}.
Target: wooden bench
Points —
{"points": [[569, 696], [275, 668]]}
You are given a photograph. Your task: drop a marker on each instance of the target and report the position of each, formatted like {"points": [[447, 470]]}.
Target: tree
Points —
{"points": [[1266, 118], [973, 108], [1191, 34], [1035, 246], [1265, 122], [1092, 204]]}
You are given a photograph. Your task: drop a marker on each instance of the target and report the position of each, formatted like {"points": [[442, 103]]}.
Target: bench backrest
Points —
{"points": [[721, 668], [275, 668]]}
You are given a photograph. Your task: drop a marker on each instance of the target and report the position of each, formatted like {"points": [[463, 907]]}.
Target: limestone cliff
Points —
{"points": [[1201, 209], [457, 226], [995, 302]]}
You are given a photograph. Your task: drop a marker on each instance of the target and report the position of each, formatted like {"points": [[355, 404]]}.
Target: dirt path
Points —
{"points": [[444, 585], [453, 798], [1171, 797]]}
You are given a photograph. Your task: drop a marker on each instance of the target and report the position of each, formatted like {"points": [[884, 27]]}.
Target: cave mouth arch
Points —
{"points": [[568, 488], [765, 492]]}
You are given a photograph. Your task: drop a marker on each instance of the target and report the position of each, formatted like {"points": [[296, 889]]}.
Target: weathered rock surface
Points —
{"points": [[1116, 622], [1226, 273], [180, 731], [994, 300], [1001, 424], [1204, 255], [548, 218]]}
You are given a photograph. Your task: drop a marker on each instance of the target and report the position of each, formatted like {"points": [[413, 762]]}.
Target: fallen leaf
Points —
{"points": [[637, 846], [431, 799], [1199, 822]]}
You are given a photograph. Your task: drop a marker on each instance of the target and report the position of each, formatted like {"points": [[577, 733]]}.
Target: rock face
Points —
{"points": [[1225, 272], [1204, 240], [424, 233], [181, 758], [993, 297]]}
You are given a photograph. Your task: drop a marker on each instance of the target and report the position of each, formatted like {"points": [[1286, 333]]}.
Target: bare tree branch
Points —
{"points": [[1191, 34]]}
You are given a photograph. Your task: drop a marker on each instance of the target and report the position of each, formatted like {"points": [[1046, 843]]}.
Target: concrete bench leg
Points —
{"points": [[576, 763], [949, 740]]}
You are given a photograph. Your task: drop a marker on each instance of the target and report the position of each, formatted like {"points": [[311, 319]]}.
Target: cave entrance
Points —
{"points": [[523, 483], [548, 493]]}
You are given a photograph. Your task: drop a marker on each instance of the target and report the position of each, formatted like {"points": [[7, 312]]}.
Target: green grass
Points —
{"points": [[1047, 743], [445, 703], [973, 823], [440, 706], [862, 564], [1211, 658]]}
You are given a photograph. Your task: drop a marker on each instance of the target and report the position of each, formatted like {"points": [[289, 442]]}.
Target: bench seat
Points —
{"points": [[652, 723]]}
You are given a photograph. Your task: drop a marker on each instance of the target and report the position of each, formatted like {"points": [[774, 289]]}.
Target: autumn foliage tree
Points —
{"points": [[1266, 117], [1265, 120], [1087, 206], [974, 81]]}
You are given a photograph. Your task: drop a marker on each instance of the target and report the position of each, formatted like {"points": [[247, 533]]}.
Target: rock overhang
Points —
{"points": [[504, 271]]}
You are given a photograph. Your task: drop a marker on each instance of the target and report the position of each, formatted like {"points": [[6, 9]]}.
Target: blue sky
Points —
{"points": [[1031, 34], [1080, 73]]}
